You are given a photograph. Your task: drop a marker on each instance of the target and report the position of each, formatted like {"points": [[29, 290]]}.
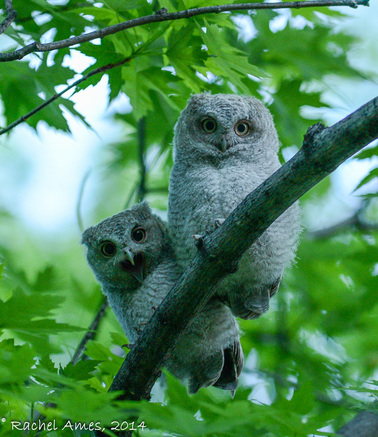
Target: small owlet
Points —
{"points": [[131, 256], [225, 146]]}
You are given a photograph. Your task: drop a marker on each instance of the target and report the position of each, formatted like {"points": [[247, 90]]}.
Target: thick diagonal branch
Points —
{"points": [[324, 149], [164, 15]]}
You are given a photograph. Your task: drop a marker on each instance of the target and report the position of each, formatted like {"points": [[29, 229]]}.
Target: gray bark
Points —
{"points": [[365, 424]]}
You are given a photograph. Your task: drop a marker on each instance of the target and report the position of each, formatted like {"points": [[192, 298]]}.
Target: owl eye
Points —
{"points": [[139, 235], [209, 125], [108, 249], [242, 128]]}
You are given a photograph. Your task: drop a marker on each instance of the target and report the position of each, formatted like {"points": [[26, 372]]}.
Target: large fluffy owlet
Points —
{"points": [[131, 256], [224, 147]]}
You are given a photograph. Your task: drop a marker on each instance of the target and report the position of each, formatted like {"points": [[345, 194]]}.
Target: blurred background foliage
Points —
{"points": [[311, 361]]}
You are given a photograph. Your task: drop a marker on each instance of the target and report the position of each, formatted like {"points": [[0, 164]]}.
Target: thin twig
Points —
{"points": [[352, 222], [163, 15], [356, 221], [11, 16], [79, 353], [91, 332], [142, 163], [102, 69]]}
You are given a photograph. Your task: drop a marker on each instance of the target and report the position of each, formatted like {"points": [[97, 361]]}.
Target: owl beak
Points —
{"points": [[223, 145], [129, 255], [133, 264]]}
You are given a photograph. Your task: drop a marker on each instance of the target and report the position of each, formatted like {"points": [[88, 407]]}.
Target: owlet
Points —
{"points": [[131, 256], [225, 146]]}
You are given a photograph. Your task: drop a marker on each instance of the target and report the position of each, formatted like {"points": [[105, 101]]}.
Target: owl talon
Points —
{"points": [[139, 331], [128, 346], [219, 222], [199, 240]]}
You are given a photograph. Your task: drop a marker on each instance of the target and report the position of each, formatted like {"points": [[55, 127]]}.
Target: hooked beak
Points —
{"points": [[223, 145], [133, 264], [129, 255]]}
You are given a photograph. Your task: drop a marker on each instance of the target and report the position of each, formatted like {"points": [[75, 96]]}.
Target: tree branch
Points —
{"points": [[163, 15], [102, 69], [11, 16], [142, 190], [324, 149]]}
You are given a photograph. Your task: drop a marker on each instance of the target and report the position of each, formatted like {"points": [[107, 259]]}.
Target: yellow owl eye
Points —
{"points": [[139, 235], [209, 125], [242, 128], [108, 249]]}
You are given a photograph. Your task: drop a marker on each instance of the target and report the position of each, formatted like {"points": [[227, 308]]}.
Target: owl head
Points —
{"points": [[222, 125], [125, 248]]}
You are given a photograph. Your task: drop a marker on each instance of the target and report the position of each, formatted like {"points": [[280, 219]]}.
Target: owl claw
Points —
{"points": [[128, 346], [198, 239], [139, 331], [219, 222]]}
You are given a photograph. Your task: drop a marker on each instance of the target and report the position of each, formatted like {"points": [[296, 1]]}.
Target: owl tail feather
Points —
{"points": [[221, 370], [206, 373]]}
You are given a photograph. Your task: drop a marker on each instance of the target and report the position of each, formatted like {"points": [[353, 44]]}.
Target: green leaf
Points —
{"points": [[373, 175], [141, 83], [15, 362], [29, 312], [227, 61], [17, 103], [286, 106], [185, 55], [109, 362], [81, 371], [367, 152]]}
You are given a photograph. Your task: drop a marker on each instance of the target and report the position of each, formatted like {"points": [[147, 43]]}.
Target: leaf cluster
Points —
{"points": [[309, 364]]}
